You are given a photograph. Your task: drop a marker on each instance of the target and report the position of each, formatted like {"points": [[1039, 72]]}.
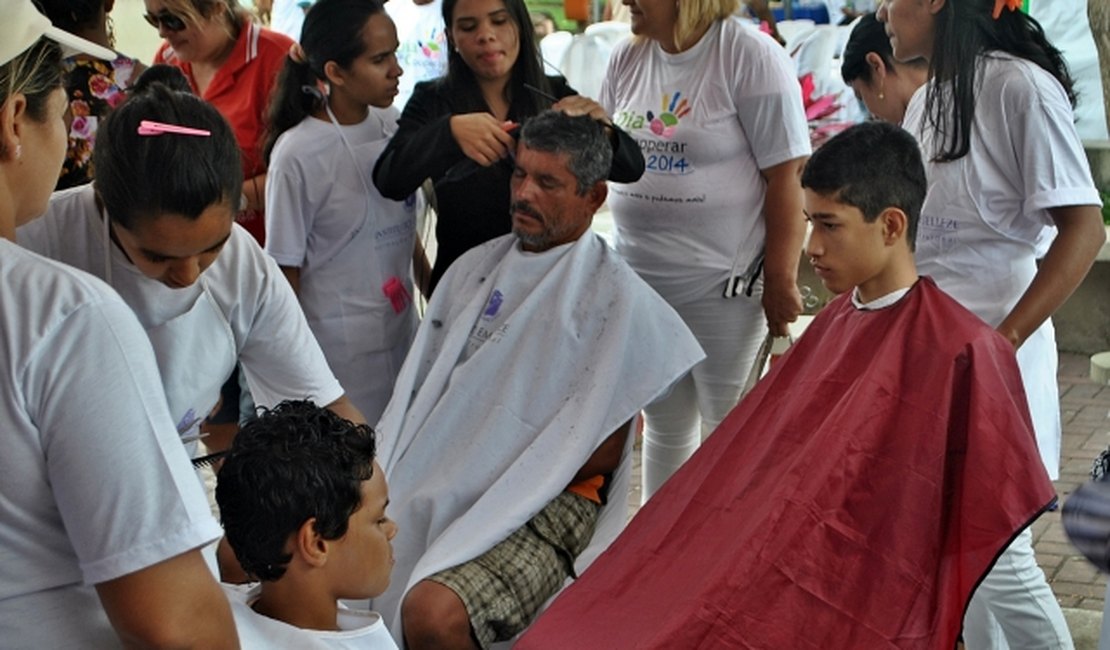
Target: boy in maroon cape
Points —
{"points": [[862, 490]]}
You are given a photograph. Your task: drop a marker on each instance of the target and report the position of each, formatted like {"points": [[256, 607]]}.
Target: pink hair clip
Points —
{"points": [[1012, 5], [147, 127]]}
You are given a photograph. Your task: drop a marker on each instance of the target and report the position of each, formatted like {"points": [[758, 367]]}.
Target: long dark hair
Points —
{"points": [[964, 30], [332, 31], [526, 70]]}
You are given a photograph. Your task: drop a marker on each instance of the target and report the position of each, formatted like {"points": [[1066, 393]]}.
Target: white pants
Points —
{"points": [[730, 331], [1014, 607]]}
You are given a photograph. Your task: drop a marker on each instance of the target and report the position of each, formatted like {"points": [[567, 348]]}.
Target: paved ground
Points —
{"points": [[1080, 588], [1085, 409]]}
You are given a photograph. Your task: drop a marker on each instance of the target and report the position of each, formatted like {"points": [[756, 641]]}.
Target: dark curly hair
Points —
{"points": [[294, 462]]}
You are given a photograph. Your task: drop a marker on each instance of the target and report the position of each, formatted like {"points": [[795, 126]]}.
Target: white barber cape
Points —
{"points": [[473, 449]]}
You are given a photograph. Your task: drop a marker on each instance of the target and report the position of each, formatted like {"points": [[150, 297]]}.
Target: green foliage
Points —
{"points": [[555, 8], [1105, 207]]}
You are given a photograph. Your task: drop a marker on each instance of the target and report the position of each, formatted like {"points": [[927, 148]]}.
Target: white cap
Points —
{"points": [[23, 25]]}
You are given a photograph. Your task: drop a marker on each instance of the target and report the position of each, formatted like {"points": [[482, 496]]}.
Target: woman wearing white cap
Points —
{"points": [[101, 515]]}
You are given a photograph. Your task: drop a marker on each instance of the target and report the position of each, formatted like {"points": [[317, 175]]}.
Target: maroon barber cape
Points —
{"points": [[853, 500]]}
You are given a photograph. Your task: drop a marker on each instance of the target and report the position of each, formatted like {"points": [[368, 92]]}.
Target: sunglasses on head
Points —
{"points": [[166, 20]]}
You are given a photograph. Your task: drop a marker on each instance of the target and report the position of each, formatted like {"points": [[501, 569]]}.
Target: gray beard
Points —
{"points": [[541, 240]]}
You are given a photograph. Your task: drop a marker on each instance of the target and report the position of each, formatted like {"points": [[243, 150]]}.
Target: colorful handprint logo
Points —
{"points": [[432, 46], [674, 109]]}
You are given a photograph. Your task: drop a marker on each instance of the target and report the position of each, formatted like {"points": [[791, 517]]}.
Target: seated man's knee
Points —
{"points": [[433, 616]]}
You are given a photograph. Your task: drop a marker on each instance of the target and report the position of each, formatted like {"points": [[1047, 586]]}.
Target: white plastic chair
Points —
{"points": [[587, 57], [611, 31], [553, 48], [814, 54], [792, 31]]}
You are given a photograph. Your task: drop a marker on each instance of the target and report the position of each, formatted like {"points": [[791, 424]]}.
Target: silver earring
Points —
{"points": [[18, 151]]}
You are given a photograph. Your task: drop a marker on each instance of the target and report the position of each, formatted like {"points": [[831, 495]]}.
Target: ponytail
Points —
{"points": [[332, 32], [290, 103]]}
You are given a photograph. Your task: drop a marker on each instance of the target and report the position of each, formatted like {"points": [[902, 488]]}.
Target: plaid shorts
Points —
{"points": [[504, 587]]}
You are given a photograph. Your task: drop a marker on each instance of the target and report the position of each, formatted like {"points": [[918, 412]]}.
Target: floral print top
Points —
{"points": [[94, 87]]}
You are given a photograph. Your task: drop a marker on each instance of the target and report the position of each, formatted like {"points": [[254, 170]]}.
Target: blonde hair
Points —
{"points": [[34, 73], [696, 15], [194, 11]]}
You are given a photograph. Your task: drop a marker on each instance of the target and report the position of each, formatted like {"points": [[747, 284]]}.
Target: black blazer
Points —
{"points": [[473, 201]]}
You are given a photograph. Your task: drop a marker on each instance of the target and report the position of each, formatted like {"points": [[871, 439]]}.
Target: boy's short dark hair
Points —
{"points": [[871, 166], [292, 463]]}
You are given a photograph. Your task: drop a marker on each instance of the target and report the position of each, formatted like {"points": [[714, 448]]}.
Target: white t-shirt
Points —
{"points": [[95, 483], [271, 339], [708, 120], [358, 630], [422, 52], [984, 214], [317, 200], [984, 218], [326, 218]]}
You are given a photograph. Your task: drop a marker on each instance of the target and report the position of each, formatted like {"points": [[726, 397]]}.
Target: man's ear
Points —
{"points": [[309, 545], [12, 115], [597, 195], [894, 223]]}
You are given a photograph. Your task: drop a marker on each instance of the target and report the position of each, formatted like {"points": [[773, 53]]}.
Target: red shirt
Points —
{"points": [[240, 90]]}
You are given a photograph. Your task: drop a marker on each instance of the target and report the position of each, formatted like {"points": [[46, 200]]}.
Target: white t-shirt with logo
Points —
{"points": [[422, 52], [708, 120]]}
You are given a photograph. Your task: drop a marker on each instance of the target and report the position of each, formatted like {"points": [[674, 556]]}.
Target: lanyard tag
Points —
{"points": [[398, 295]]}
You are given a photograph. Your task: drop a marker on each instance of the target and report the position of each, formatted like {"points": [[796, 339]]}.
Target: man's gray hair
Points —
{"points": [[582, 138]]}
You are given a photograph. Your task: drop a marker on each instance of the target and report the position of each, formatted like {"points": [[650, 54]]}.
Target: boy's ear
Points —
{"points": [[309, 545], [894, 223]]}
